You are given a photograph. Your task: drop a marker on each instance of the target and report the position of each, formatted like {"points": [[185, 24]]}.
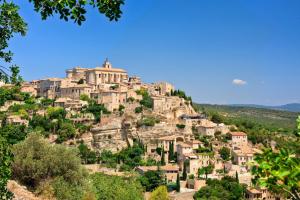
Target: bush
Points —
{"points": [[114, 187], [152, 179], [56, 113], [36, 160], [138, 109], [180, 126], [66, 131], [226, 188], [159, 193], [147, 121]]}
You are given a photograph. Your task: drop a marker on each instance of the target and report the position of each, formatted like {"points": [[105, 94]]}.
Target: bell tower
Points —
{"points": [[107, 64]]}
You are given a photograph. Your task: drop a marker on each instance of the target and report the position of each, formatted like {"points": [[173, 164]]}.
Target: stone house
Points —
{"points": [[16, 120], [242, 155], [207, 128], [260, 194], [50, 87], [76, 74], [70, 104], [238, 138], [29, 88], [74, 91]]}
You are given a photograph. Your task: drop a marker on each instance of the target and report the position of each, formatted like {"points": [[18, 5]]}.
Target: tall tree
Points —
{"points": [[236, 177], [5, 171], [184, 173], [178, 183], [298, 122], [171, 151], [162, 161]]}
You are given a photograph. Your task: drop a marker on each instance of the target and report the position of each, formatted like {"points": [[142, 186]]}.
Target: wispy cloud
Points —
{"points": [[238, 82]]}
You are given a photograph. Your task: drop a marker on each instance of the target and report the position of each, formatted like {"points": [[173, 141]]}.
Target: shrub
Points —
{"points": [[114, 187], [160, 193], [180, 126], [36, 160], [138, 109]]}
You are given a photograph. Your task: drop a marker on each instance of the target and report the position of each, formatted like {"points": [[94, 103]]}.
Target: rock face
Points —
{"points": [[116, 132], [113, 136]]}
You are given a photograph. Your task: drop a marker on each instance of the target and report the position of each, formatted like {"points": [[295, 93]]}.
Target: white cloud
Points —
{"points": [[238, 82]]}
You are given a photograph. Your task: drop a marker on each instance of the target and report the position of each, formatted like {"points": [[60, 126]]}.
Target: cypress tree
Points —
{"points": [[236, 177], [184, 173], [162, 162], [178, 183]]}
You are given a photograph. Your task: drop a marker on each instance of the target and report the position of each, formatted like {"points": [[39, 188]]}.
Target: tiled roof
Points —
{"points": [[238, 134]]}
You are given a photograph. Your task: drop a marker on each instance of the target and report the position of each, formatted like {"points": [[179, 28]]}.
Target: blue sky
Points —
{"points": [[200, 46]]}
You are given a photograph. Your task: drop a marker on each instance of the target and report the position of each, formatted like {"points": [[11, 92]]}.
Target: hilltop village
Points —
{"points": [[113, 111]]}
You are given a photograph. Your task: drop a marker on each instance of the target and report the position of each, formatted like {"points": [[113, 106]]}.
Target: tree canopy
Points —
{"points": [[226, 188], [278, 171]]}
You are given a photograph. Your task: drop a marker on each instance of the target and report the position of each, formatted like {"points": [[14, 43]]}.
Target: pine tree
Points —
{"points": [[178, 183]]}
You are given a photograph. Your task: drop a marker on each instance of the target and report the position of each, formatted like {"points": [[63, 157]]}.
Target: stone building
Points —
{"points": [[238, 138], [50, 87], [74, 91], [29, 88], [260, 193], [242, 155], [165, 103], [76, 74], [207, 128], [105, 74]]}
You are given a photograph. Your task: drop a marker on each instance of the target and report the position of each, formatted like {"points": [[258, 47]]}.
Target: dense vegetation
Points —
{"points": [[226, 188], [114, 187]]}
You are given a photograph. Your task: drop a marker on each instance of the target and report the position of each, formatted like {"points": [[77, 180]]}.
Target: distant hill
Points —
{"points": [[292, 107], [269, 117]]}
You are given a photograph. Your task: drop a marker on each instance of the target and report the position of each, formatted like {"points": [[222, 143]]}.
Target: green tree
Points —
{"points": [[171, 151], [279, 172], [162, 161], [226, 188], [152, 179], [15, 78], [114, 187], [184, 173], [236, 176], [298, 126], [5, 171], [178, 183], [87, 156], [160, 193], [12, 23], [225, 153], [36, 160]]}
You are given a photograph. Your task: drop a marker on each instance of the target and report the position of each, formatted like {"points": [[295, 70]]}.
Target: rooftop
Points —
{"points": [[238, 134]]}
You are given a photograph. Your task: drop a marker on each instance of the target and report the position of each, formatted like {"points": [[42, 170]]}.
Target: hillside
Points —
{"points": [[273, 119], [292, 107]]}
